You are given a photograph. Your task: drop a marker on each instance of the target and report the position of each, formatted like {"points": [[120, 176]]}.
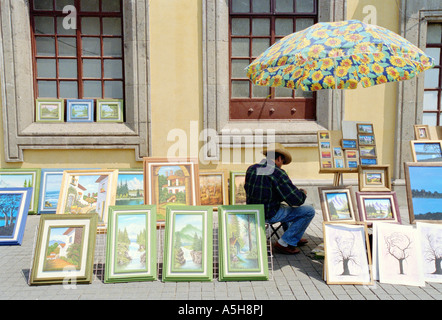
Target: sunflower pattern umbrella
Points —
{"points": [[345, 52]]}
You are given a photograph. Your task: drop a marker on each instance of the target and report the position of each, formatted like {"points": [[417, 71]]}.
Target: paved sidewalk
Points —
{"points": [[297, 277]]}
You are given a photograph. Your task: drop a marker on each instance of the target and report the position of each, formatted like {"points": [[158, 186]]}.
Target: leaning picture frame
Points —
{"points": [[213, 188], [426, 150], [422, 132], [423, 183], [14, 207], [240, 259], [19, 178], [337, 204], [188, 254], [170, 181], [49, 110], [87, 192], [110, 110], [131, 249], [374, 178], [130, 189], [79, 110], [378, 207], [64, 249], [347, 253], [236, 186]]}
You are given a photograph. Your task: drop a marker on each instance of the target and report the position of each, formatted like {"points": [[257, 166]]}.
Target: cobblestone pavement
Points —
{"points": [[293, 277]]}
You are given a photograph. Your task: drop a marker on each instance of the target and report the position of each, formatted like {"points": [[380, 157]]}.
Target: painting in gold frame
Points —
{"points": [[213, 188], [374, 178]]}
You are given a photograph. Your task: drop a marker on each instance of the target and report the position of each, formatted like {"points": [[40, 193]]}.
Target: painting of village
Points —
{"points": [[130, 250], [187, 247], [243, 245], [211, 189], [130, 189], [63, 249]]}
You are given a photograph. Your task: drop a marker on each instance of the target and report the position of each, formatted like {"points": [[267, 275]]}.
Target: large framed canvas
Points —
{"points": [[22, 178], [80, 110], [337, 204], [64, 250], [430, 235], [88, 192], [423, 182], [131, 252], [242, 244], [378, 207], [14, 206], [426, 151], [213, 188], [49, 110], [236, 186], [398, 254], [374, 178], [188, 254], [130, 188], [110, 110], [347, 253], [170, 181]]}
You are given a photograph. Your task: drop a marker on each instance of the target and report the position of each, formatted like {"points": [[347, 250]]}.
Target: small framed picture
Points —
{"points": [[367, 151], [364, 128], [422, 132], [368, 161], [352, 164], [109, 110], [213, 188], [324, 145], [49, 110], [366, 140], [378, 207], [351, 154], [80, 110], [374, 178], [326, 164], [337, 152], [426, 151], [237, 191], [349, 144], [326, 155], [339, 163], [337, 204], [324, 135]]}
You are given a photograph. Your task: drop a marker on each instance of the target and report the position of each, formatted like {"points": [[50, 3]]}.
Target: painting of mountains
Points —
{"points": [[338, 204], [188, 242]]}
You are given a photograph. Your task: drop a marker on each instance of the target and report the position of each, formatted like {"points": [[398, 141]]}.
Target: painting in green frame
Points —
{"points": [[242, 243], [131, 253], [188, 244], [110, 110]]}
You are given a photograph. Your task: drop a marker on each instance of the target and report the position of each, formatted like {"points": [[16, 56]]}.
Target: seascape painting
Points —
{"points": [[427, 151], [26, 178], [424, 185], [49, 190]]}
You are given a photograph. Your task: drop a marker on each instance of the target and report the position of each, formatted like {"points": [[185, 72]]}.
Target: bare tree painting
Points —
{"points": [[345, 251], [398, 246], [431, 242]]}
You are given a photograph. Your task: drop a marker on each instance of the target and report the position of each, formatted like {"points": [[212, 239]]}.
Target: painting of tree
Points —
{"points": [[431, 243], [398, 246], [9, 210]]}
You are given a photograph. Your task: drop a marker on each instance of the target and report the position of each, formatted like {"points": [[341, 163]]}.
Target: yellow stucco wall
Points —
{"points": [[176, 96]]}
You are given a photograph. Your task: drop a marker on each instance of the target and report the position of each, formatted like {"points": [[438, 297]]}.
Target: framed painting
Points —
{"points": [[398, 254], [426, 151], [368, 161], [64, 250], [374, 178], [110, 110], [88, 192], [50, 184], [14, 206], [131, 252], [242, 243], [130, 187], [170, 181], [430, 235], [323, 135], [23, 178], [422, 132], [188, 254], [237, 191], [378, 207], [347, 253], [337, 204], [325, 145], [213, 188], [423, 183], [80, 110], [366, 140], [367, 151], [364, 128], [349, 144], [49, 110]]}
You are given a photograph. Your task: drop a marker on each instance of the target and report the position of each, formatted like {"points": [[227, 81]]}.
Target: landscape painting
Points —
{"points": [[424, 191], [337, 204], [110, 110], [14, 206], [188, 235], [80, 110], [427, 151], [378, 206], [22, 178], [213, 188], [130, 189], [49, 110], [237, 191], [131, 244]]}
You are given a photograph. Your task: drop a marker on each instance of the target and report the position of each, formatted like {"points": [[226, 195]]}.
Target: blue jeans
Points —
{"points": [[294, 220]]}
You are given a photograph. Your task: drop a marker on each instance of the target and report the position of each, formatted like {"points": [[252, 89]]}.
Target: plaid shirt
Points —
{"points": [[270, 187]]}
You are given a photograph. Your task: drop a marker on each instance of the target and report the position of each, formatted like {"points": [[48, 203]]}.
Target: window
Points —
{"points": [[81, 62], [432, 105], [254, 26]]}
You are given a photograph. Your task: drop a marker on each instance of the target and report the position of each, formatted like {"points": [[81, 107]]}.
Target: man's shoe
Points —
{"points": [[302, 242], [285, 250]]}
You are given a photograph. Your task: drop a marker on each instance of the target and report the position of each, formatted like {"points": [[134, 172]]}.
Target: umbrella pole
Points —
{"points": [[335, 96]]}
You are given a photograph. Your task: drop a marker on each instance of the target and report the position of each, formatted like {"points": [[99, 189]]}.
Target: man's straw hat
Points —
{"points": [[279, 148]]}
